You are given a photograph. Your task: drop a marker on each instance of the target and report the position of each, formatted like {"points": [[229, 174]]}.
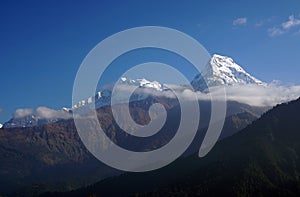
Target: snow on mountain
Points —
{"points": [[1, 126], [143, 83], [41, 115], [222, 70], [103, 97]]}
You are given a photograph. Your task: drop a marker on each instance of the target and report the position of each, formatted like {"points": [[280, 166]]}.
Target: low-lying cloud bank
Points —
{"points": [[254, 95], [42, 113], [258, 95]]}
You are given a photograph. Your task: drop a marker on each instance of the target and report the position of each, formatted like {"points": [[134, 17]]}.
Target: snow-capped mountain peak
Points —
{"points": [[143, 83], [222, 70], [103, 97]]}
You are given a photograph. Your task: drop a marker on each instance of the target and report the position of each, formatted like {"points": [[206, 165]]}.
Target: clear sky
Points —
{"points": [[42, 43]]}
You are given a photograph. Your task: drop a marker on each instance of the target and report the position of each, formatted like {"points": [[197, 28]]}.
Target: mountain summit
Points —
{"points": [[222, 70], [142, 83]]}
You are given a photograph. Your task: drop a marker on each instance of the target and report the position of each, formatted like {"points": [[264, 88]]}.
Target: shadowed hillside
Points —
{"points": [[52, 157], [261, 160]]}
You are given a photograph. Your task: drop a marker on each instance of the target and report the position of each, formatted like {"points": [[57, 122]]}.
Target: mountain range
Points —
{"points": [[51, 156], [41, 151], [221, 71], [260, 160]]}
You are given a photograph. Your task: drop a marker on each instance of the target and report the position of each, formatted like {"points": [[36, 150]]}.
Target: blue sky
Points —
{"points": [[42, 43]]}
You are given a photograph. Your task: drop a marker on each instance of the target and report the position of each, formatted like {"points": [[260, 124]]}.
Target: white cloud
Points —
{"points": [[292, 22], [284, 27], [20, 113], [239, 21], [254, 95], [43, 113], [47, 113], [275, 31], [258, 95]]}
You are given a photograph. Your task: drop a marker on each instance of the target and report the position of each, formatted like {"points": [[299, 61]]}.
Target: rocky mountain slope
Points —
{"points": [[260, 160]]}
